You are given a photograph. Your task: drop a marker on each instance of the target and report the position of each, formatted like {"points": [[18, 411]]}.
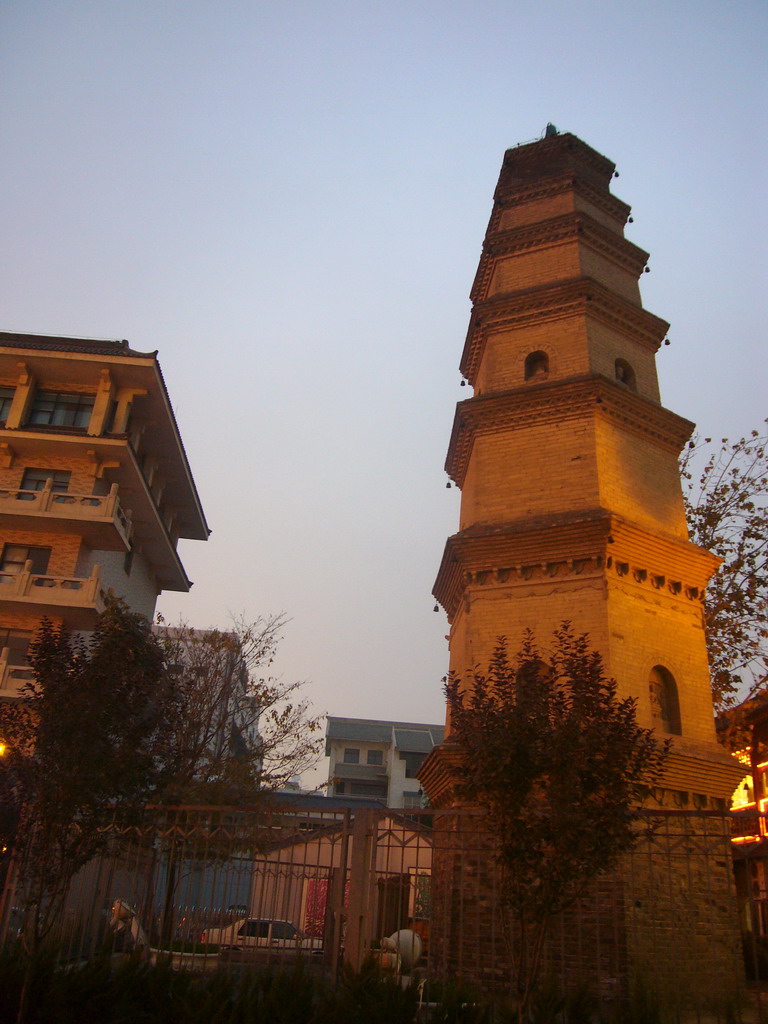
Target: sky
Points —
{"points": [[287, 199]]}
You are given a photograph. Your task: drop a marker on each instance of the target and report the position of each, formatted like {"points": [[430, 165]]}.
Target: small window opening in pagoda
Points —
{"points": [[625, 374], [536, 366], [665, 705]]}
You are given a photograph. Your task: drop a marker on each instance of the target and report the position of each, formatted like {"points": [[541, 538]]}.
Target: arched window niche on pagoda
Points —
{"points": [[536, 366], [625, 374], [665, 704]]}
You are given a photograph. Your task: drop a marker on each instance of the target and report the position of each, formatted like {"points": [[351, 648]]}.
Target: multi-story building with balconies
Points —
{"points": [[95, 487], [376, 760]]}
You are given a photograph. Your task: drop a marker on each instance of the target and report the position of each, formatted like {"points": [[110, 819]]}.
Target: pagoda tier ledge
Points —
{"points": [[696, 773], [560, 401], [576, 547], [701, 770], [440, 772], [564, 151], [560, 184], [576, 297], [571, 227]]}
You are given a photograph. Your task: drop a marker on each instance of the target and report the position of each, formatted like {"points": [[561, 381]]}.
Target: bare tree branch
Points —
{"points": [[727, 511], [239, 732]]}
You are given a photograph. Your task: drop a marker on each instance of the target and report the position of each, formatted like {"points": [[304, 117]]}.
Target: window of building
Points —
{"points": [[375, 790], [375, 757], [536, 365], [15, 557], [109, 420], [6, 398], [36, 479], [16, 642], [665, 705], [625, 374], [411, 799], [351, 755], [413, 761], [57, 409]]}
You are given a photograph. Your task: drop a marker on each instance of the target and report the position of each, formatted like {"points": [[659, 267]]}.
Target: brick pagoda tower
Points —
{"points": [[571, 504]]}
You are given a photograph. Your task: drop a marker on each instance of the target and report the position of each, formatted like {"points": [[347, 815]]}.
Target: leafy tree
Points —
{"points": [[78, 745], [559, 765], [727, 510]]}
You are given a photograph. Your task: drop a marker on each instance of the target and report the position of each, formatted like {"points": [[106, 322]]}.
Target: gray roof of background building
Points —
{"points": [[421, 740], [415, 736]]}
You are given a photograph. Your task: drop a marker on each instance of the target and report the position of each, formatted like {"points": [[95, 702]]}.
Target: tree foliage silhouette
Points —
{"points": [[559, 765], [80, 744]]}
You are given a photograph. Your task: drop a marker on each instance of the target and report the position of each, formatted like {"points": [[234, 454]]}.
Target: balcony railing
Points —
{"points": [[344, 770], [63, 505], [12, 676], [55, 591]]}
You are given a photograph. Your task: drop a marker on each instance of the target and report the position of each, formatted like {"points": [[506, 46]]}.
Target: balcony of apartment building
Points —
{"points": [[26, 587], [15, 673], [65, 426], [364, 780], [353, 779], [44, 499]]}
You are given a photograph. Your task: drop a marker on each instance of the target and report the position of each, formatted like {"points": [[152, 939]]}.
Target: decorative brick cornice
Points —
{"points": [[572, 547], [579, 297], [549, 157], [560, 401], [715, 773], [509, 553], [574, 225], [549, 188], [569, 228], [440, 772]]}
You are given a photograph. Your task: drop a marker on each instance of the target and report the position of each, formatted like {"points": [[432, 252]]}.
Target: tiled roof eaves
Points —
{"points": [[182, 449], [53, 343]]}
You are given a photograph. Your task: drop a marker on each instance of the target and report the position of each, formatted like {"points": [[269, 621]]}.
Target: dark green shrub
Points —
{"points": [[454, 1002], [368, 997]]}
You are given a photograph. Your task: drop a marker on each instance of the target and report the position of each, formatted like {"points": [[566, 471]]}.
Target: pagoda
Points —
{"points": [[571, 501]]}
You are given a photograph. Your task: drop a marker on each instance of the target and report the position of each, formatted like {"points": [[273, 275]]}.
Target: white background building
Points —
{"points": [[376, 759]]}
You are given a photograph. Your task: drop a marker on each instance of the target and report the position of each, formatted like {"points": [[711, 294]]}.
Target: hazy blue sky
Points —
{"points": [[288, 200]]}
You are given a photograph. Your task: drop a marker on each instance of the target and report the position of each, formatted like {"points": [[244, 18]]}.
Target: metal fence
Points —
{"points": [[214, 887]]}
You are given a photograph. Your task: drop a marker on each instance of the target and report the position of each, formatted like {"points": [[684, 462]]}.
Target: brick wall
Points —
{"points": [[538, 469], [563, 340], [65, 548], [82, 479], [639, 480], [665, 921]]}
